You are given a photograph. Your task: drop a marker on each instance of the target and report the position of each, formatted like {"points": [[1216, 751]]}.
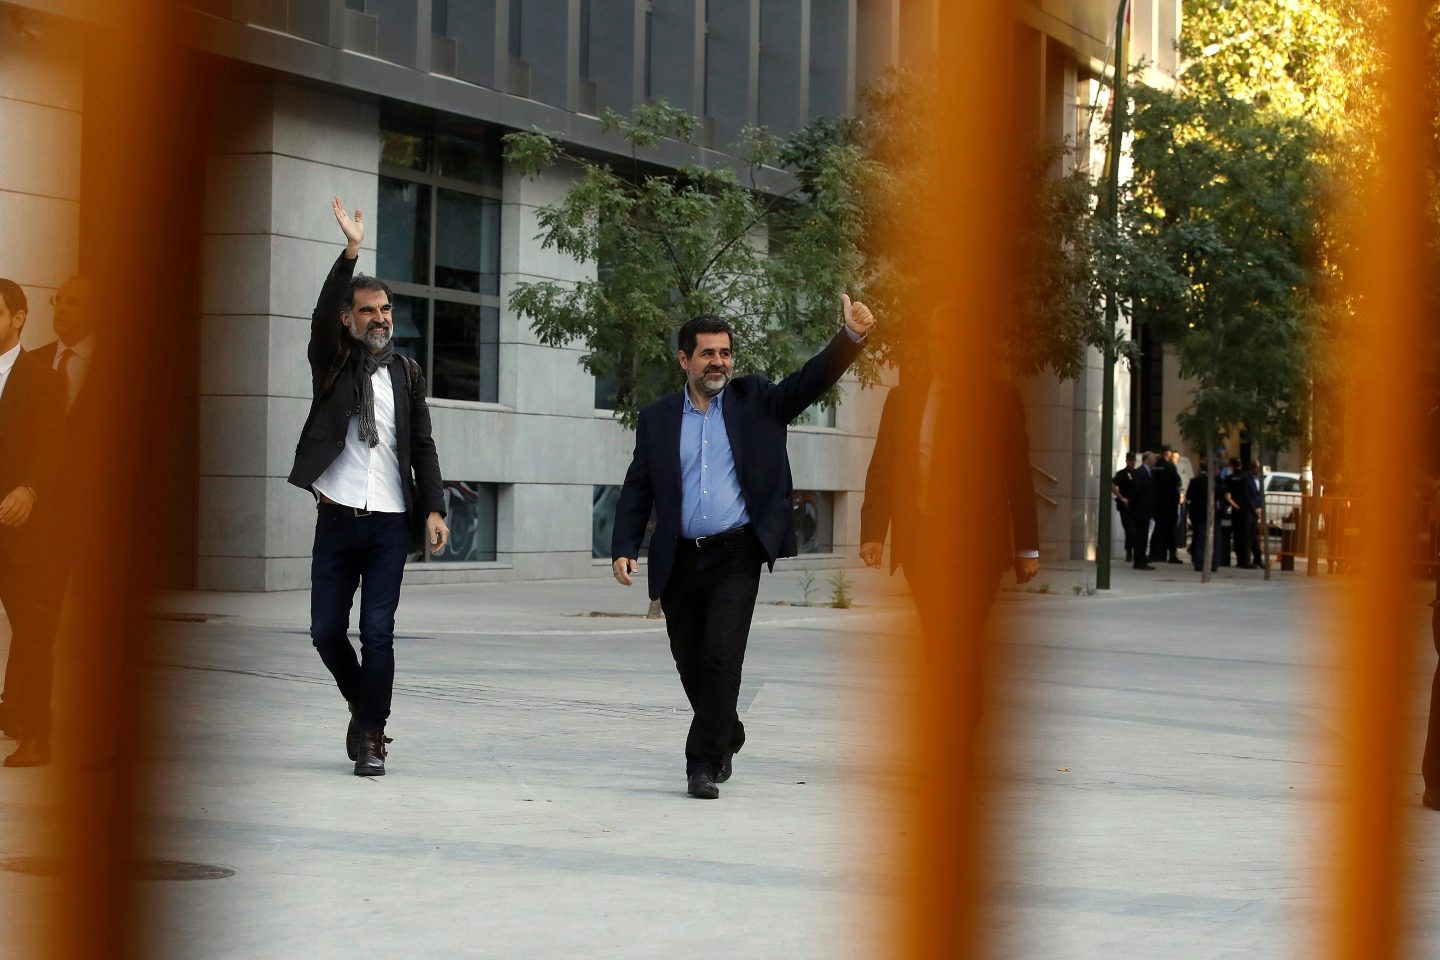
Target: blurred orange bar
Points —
{"points": [[1393, 279], [962, 237], [140, 150]]}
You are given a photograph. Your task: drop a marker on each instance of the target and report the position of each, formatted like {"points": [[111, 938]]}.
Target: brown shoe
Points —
{"points": [[371, 762], [32, 752]]}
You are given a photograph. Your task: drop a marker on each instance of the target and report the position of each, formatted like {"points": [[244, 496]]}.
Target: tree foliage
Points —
{"points": [[1059, 241], [769, 243], [1224, 201]]}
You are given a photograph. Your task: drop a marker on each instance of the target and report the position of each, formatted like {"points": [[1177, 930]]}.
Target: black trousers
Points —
{"points": [[709, 602], [1125, 525], [369, 553], [31, 590], [1162, 541], [1140, 523], [1242, 533]]}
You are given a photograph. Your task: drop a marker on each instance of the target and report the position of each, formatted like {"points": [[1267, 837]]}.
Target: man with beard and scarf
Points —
{"points": [[710, 459], [367, 455]]}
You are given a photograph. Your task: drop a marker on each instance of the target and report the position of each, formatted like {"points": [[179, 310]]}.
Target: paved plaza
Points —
{"points": [[1164, 798]]}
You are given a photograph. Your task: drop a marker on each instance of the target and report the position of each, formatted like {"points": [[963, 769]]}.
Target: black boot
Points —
{"points": [[352, 734], [371, 761]]}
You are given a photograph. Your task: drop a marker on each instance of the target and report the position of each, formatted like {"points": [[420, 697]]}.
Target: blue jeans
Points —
{"points": [[368, 552]]}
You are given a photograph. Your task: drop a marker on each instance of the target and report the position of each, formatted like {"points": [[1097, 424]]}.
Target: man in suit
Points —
{"points": [[1142, 508], [30, 422], [1122, 487], [1167, 508], [1197, 507], [70, 353], [367, 456], [711, 461], [904, 497]]}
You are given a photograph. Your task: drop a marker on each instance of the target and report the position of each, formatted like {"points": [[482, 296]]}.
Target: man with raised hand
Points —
{"points": [[711, 461], [367, 456]]}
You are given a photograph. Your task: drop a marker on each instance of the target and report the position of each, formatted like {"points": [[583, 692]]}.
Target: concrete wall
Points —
{"points": [[41, 92]]}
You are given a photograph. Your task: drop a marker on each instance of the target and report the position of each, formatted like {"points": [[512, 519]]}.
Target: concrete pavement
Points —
{"points": [[1163, 798]]}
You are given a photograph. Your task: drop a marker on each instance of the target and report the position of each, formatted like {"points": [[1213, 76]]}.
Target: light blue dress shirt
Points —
{"points": [[710, 498]]}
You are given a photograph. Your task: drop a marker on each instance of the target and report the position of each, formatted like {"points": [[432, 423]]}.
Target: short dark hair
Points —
{"points": [[1130, 455], [363, 282], [13, 296], [704, 323]]}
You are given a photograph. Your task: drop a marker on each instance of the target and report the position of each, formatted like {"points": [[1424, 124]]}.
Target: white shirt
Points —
{"points": [[7, 363], [364, 476], [78, 367]]}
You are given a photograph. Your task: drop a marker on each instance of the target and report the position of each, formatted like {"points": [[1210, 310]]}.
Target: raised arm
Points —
{"points": [[325, 328], [789, 398]]}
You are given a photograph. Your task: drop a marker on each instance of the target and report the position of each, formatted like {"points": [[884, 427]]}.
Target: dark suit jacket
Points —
{"points": [[1003, 525], [31, 417], [756, 415], [1142, 504], [323, 436]]}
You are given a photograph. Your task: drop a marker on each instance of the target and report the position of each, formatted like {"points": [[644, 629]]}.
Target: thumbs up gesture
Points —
{"points": [[857, 316]]}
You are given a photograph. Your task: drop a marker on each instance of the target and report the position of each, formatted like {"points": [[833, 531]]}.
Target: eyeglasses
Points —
{"points": [[58, 299]]}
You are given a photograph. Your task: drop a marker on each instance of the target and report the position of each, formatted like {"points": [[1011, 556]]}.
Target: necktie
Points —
{"points": [[66, 366]]}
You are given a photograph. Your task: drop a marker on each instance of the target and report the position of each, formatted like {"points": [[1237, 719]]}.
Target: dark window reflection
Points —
{"points": [[407, 150], [409, 326], [404, 231], [462, 159], [467, 251], [466, 352]]}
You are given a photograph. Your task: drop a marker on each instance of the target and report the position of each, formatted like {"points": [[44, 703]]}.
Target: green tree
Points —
{"points": [[769, 243], [1221, 217], [1059, 240]]}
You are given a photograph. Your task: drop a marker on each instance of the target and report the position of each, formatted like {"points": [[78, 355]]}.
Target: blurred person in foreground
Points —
{"points": [[905, 497]]}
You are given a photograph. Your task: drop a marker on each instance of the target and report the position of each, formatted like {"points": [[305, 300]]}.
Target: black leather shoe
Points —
{"points": [[1431, 798], [1174, 560], [371, 761], [1144, 566], [702, 786], [727, 766], [32, 752], [352, 734]]}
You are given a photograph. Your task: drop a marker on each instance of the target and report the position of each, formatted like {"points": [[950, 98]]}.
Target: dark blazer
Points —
{"points": [[31, 422], [1197, 498], [756, 415], [1142, 503], [323, 436], [1005, 524]]}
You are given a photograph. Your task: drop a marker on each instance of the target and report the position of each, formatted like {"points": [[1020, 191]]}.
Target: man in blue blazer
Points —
{"points": [[711, 462]]}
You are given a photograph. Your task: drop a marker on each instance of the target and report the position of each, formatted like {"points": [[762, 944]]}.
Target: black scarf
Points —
{"points": [[369, 363]]}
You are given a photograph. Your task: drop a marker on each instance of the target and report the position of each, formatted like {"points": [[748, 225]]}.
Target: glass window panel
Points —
{"points": [[602, 522], [467, 248], [410, 324], [404, 219], [464, 159], [466, 351], [813, 515], [440, 17], [407, 150], [816, 416], [470, 511], [490, 354]]}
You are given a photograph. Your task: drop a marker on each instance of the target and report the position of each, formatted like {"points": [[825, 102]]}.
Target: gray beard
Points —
{"points": [[373, 340], [705, 390]]}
